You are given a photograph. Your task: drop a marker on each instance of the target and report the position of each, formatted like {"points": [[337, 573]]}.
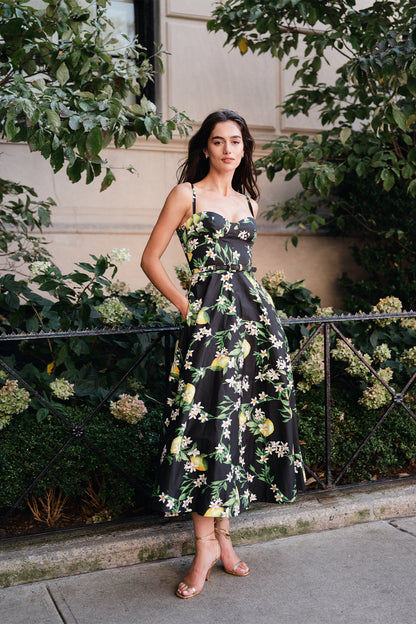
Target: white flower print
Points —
{"points": [[235, 425]]}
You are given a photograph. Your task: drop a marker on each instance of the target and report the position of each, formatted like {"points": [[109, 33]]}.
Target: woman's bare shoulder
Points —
{"points": [[181, 193], [252, 201]]}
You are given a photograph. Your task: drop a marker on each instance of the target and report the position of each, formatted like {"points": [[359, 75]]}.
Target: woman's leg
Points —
{"points": [[231, 562], [207, 554]]}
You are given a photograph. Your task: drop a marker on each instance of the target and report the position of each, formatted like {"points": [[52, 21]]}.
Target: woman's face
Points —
{"points": [[225, 147]]}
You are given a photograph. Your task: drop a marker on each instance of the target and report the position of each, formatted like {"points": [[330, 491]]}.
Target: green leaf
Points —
{"points": [[107, 180], [408, 171], [94, 142], [411, 189], [10, 127], [400, 119], [54, 120], [411, 85], [130, 139], [344, 135], [57, 158], [388, 179], [149, 123], [62, 74], [41, 414]]}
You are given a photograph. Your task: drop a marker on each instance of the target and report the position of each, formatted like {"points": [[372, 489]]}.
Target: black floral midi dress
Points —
{"points": [[230, 434]]}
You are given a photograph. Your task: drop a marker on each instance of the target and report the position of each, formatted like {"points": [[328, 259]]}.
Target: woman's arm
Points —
{"points": [[177, 206]]}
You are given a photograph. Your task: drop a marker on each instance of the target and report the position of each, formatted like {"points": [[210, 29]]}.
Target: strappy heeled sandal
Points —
{"points": [[235, 569], [207, 538]]}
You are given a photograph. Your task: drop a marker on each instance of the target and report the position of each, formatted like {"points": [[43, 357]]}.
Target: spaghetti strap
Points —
{"points": [[249, 205], [193, 199]]}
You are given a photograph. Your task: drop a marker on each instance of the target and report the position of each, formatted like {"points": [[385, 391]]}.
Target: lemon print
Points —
{"points": [[175, 447], [189, 393], [202, 318], [189, 254], [199, 463], [242, 418], [220, 362], [214, 512], [246, 348], [174, 370], [267, 427]]}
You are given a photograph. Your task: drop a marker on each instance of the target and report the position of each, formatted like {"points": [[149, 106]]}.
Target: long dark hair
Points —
{"points": [[196, 166]]}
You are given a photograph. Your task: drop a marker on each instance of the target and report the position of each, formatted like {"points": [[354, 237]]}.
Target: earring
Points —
{"points": [[206, 155]]}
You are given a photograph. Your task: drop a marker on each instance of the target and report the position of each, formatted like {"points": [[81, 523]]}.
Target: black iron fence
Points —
{"points": [[329, 326], [77, 431]]}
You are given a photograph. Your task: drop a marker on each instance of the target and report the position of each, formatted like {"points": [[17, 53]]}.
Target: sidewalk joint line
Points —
{"points": [[391, 522], [55, 604]]}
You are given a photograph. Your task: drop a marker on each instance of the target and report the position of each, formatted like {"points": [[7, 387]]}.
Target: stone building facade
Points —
{"points": [[201, 75]]}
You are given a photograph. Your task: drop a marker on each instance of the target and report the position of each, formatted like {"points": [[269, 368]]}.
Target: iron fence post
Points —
{"points": [[328, 441]]}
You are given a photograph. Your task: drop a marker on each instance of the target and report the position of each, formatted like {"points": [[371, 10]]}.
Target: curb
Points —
{"points": [[88, 549]]}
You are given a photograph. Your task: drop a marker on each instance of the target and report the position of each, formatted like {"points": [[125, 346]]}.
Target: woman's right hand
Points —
{"points": [[183, 308]]}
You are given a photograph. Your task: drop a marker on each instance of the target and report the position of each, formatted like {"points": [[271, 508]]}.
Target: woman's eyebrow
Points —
{"points": [[236, 136]]}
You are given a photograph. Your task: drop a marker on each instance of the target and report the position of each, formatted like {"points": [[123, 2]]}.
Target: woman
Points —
{"points": [[231, 434]]}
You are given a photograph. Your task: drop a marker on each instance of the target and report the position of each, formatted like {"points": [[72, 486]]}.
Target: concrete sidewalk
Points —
{"points": [[101, 547], [358, 574]]}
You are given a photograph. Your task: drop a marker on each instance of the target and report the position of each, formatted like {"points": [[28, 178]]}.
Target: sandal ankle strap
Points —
{"points": [[222, 532], [207, 538]]}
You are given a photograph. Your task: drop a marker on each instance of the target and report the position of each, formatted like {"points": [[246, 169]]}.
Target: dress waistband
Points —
{"points": [[224, 267]]}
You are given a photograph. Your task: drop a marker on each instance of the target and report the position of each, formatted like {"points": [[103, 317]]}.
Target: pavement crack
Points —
{"points": [[395, 526], [55, 604]]}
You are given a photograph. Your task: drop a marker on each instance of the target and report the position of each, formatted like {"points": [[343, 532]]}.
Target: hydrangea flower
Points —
{"points": [[377, 395], [408, 323], [113, 312], [128, 408], [355, 368], [62, 388], [117, 287], [39, 267], [184, 276], [120, 254], [311, 367], [158, 300], [386, 306], [329, 311], [272, 283], [408, 357], [381, 353], [13, 400]]}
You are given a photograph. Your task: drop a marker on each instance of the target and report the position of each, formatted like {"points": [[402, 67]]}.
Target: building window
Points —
{"points": [[136, 18]]}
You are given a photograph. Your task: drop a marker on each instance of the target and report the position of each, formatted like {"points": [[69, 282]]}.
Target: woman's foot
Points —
{"points": [[207, 555], [230, 561]]}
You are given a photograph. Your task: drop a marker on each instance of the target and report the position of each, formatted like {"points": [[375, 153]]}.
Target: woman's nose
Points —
{"points": [[227, 148]]}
